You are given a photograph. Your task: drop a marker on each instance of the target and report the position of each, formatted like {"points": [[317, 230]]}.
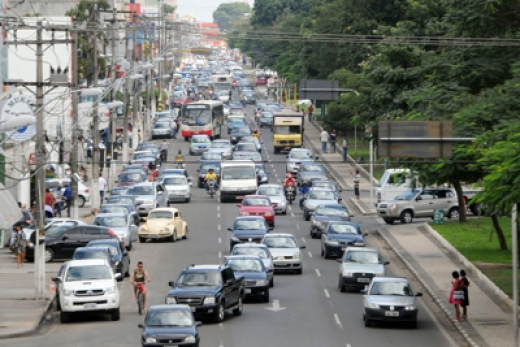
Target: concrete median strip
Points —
{"points": [[37, 324]]}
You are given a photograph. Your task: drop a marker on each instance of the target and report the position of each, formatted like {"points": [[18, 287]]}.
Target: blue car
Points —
{"points": [[338, 236], [248, 229]]}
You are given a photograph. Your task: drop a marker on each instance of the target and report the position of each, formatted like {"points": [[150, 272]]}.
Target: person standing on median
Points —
{"points": [[357, 178], [324, 138], [102, 184], [333, 137], [19, 244], [455, 292], [464, 285], [344, 145]]}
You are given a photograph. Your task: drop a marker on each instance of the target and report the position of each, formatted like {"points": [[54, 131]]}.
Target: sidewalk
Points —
{"points": [[490, 320]]}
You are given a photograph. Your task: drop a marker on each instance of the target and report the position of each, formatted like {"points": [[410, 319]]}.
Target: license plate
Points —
{"points": [[240, 196], [193, 309], [363, 280], [248, 290], [391, 314], [89, 306], [153, 236]]}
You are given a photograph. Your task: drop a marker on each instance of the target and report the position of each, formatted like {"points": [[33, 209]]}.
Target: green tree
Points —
{"points": [[167, 9], [227, 14]]}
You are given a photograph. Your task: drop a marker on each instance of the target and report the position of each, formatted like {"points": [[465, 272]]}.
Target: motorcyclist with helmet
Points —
{"points": [[210, 176], [289, 181], [255, 133], [179, 159]]}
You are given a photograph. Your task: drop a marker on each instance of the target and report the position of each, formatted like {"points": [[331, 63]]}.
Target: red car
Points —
{"points": [[262, 80], [258, 205]]}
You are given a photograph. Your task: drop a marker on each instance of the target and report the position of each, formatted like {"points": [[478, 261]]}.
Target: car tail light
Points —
{"points": [[112, 232], [86, 190], [244, 213]]}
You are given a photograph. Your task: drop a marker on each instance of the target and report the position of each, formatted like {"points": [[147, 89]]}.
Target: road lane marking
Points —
{"points": [[218, 227], [336, 318], [310, 254], [272, 165], [220, 254], [298, 226], [218, 215], [289, 208], [292, 214], [303, 239], [219, 240], [348, 345], [318, 272], [218, 207], [274, 170], [326, 293]]}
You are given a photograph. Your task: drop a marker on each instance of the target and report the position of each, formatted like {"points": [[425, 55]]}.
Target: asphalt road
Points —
{"points": [[312, 310]]}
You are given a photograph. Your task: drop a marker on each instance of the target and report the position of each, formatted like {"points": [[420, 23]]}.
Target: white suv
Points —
{"points": [[86, 286]]}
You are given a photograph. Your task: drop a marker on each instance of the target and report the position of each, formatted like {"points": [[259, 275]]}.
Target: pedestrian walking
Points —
{"points": [[333, 137], [357, 178], [67, 194], [456, 295], [175, 129], [324, 138], [18, 246], [102, 184], [344, 145], [49, 202], [139, 135], [310, 110], [58, 201], [464, 285]]}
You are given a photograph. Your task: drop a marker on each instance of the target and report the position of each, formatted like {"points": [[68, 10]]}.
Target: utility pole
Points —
{"points": [[113, 114], [135, 111], [95, 115], [127, 102], [147, 80], [39, 254], [74, 164]]}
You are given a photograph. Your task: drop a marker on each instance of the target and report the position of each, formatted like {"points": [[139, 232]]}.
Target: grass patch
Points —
{"points": [[503, 278]]}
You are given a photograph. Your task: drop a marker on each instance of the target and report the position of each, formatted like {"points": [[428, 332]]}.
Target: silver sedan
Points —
{"points": [[276, 195]]}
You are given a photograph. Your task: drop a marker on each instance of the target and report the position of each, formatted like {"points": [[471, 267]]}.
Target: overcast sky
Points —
{"points": [[202, 9]]}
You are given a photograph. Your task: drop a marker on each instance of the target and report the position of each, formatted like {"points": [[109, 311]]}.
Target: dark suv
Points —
{"points": [[209, 290]]}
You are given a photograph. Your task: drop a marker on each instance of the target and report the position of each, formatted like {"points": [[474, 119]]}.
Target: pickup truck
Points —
{"points": [[209, 290]]}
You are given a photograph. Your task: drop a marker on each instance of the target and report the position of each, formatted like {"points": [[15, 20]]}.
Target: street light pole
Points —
{"points": [[96, 152], [75, 119]]}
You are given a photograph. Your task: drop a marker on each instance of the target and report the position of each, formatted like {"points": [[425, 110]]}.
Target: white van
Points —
{"points": [[393, 183], [237, 179]]}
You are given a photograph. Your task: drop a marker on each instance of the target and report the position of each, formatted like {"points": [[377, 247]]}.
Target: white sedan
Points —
{"points": [[276, 194]]}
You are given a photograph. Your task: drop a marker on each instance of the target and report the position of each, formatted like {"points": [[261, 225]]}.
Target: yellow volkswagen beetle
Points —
{"points": [[163, 223]]}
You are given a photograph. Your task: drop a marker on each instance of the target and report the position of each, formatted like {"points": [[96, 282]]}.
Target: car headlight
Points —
{"points": [[225, 189], [233, 137], [150, 202], [170, 300], [331, 242], [392, 207], [167, 230], [210, 300], [345, 273], [234, 238], [150, 340], [297, 255], [379, 274], [243, 213], [359, 244], [68, 292], [262, 283], [410, 307], [371, 305], [190, 339], [111, 290]]}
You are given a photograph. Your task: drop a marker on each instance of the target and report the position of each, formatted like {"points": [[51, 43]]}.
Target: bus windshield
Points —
{"points": [[197, 115], [238, 173]]}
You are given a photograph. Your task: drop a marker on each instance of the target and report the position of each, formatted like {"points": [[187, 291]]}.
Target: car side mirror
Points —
{"points": [[239, 205], [189, 179], [364, 291], [117, 276], [191, 184], [365, 234], [140, 325], [271, 228], [386, 262], [65, 237], [171, 284], [418, 294], [316, 157], [303, 247], [418, 198], [229, 229], [56, 279], [198, 324]]}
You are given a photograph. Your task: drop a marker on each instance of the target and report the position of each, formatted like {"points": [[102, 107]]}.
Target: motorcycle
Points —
{"points": [[211, 188], [164, 155], [290, 194]]}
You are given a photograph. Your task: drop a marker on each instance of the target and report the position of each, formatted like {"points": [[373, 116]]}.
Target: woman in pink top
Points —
{"points": [[455, 286]]}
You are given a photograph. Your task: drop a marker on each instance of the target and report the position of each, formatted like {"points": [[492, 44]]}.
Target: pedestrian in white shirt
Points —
{"points": [[357, 178], [102, 184], [324, 138]]}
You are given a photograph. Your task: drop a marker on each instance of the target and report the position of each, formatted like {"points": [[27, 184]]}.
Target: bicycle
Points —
{"points": [[140, 298]]}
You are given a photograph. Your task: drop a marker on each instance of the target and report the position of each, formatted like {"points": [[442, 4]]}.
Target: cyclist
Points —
{"points": [[210, 176], [140, 275], [179, 159]]}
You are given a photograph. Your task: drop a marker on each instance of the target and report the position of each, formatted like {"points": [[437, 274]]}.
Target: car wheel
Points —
{"points": [[81, 201], [271, 282], [368, 322], [388, 221], [186, 233], [299, 271], [322, 252], [341, 286], [454, 213], [406, 217], [240, 307], [222, 200], [188, 200], [266, 296], [326, 253], [306, 216], [168, 203], [49, 255], [142, 240], [115, 315], [173, 238], [64, 317], [127, 273], [129, 247], [221, 313]]}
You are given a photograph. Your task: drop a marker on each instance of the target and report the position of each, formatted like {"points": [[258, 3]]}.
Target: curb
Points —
{"points": [[503, 297], [361, 209], [36, 326], [441, 304]]}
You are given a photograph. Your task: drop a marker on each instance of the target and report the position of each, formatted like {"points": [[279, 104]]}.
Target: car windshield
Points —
{"points": [[321, 195], [142, 154], [55, 230], [241, 129], [200, 279], [329, 185], [331, 211], [267, 115], [280, 242], [113, 249], [220, 145], [362, 257], [82, 255], [256, 202], [301, 155], [142, 190], [205, 167], [409, 195], [162, 125], [174, 318], [110, 221], [91, 272], [197, 115], [146, 147], [246, 265], [336, 228], [160, 215], [113, 209], [117, 191], [249, 225], [391, 288], [238, 173], [120, 200], [286, 129], [130, 177], [211, 156], [246, 147], [175, 181], [254, 156], [271, 191], [149, 159], [200, 140], [313, 168], [256, 251]]}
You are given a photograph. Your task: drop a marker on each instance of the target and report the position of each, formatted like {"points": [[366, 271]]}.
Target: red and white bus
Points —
{"points": [[203, 117]]}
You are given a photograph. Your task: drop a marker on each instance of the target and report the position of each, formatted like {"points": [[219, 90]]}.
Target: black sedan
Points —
{"points": [[340, 235], [323, 214], [239, 132], [170, 325], [248, 229], [252, 269], [119, 254]]}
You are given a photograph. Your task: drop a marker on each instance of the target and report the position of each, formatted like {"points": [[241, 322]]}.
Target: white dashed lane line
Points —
{"points": [[310, 254], [326, 293], [218, 215], [220, 254], [318, 273], [219, 240], [218, 227], [336, 318]]}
